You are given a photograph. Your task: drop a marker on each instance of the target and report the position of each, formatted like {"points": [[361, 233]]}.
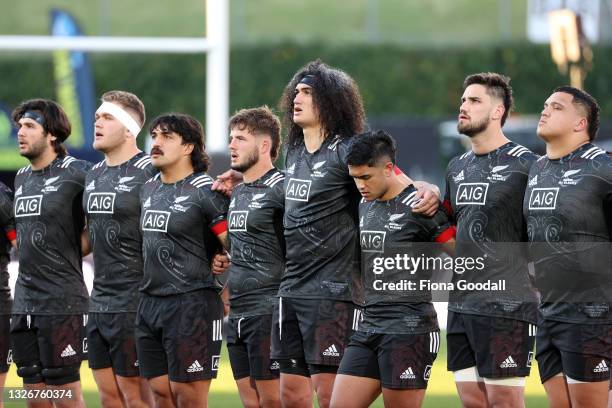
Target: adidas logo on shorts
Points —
{"points": [[508, 363], [68, 351], [408, 374], [195, 367], [331, 351], [601, 367], [275, 365]]}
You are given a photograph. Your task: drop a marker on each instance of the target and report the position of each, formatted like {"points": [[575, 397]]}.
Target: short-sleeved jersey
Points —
{"points": [[320, 222], [7, 234], [484, 195], [568, 209], [49, 219], [112, 205], [179, 224], [255, 224], [387, 229]]}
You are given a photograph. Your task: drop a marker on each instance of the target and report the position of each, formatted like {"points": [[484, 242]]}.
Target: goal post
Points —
{"points": [[215, 45]]}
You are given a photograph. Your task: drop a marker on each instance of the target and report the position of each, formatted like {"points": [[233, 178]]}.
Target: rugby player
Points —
{"points": [[398, 337], [568, 209], [112, 205], [50, 294], [179, 318], [490, 335], [255, 222], [8, 237]]}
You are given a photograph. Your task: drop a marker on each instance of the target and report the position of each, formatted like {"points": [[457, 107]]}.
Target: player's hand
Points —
{"points": [[427, 199], [226, 182], [220, 263]]}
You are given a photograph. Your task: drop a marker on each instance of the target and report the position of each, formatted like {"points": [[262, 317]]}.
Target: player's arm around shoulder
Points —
{"points": [[427, 198]]}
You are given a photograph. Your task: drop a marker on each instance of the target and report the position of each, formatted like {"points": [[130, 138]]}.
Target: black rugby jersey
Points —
{"points": [[179, 224], [320, 223], [7, 234], [255, 225], [388, 229], [49, 219], [568, 209], [112, 205], [484, 194]]}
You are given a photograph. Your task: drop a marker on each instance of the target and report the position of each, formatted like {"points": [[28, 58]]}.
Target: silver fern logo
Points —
{"points": [[316, 172], [122, 185], [567, 179], [49, 187], [255, 200], [496, 173]]}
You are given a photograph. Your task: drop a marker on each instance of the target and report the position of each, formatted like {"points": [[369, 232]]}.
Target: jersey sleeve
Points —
{"points": [[343, 148], [150, 171], [447, 203], [439, 228], [7, 220], [528, 159], [277, 196], [78, 169], [608, 195], [214, 208]]}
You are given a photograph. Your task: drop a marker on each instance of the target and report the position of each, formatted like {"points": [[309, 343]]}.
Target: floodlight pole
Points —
{"points": [[217, 75]]}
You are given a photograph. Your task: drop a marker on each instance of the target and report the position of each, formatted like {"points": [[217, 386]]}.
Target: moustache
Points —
{"points": [[156, 150]]}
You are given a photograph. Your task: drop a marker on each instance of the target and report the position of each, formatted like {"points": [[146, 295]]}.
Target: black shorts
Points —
{"points": [[6, 355], [51, 341], [110, 337], [180, 335], [497, 347], [248, 345], [316, 330], [399, 361], [582, 352]]}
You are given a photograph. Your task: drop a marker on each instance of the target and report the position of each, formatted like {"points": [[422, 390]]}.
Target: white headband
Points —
{"points": [[121, 115]]}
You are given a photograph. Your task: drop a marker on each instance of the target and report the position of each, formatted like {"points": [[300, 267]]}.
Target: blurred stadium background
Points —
{"points": [[408, 57]]}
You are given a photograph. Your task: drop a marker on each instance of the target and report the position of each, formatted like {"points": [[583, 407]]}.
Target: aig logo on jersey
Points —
{"points": [[28, 206], [155, 221], [472, 194], [372, 241], [298, 190], [101, 203], [238, 220], [543, 198]]}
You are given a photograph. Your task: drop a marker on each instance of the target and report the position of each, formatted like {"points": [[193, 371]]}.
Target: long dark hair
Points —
{"points": [[336, 97], [56, 121], [191, 131]]}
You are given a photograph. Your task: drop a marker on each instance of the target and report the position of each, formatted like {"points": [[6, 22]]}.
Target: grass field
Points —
{"points": [[413, 22], [440, 393]]}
